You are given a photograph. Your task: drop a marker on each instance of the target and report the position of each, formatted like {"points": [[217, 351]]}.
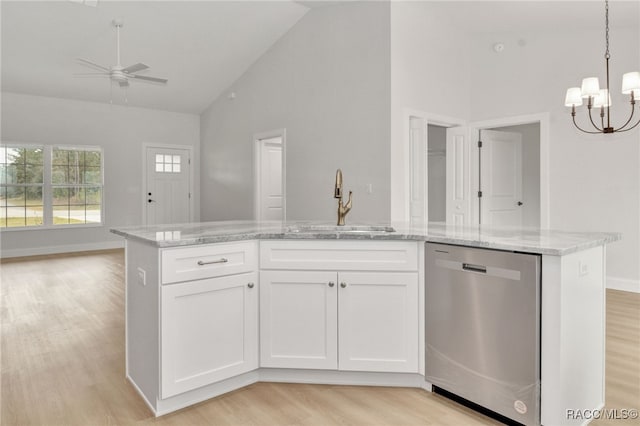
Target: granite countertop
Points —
{"points": [[528, 240]]}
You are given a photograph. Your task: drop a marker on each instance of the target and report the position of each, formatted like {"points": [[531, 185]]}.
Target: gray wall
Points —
{"points": [[437, 171], [327, 81], [120, 131]]}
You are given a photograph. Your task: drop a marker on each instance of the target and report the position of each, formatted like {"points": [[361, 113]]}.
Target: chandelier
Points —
{"points": [[601, 98]]}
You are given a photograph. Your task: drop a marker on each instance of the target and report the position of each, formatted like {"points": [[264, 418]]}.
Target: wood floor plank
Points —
{"points": [[62, 362]]}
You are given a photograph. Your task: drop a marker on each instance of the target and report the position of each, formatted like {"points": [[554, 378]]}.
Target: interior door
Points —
{"points": [[458, 185], [167, 194], [418, 172], [501, 178], [270, 185]]}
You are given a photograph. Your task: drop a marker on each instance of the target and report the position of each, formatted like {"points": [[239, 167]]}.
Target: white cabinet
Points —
{"points": [[378, 321], [209, 321], [209, 331], [339, 319], [299, 319]]}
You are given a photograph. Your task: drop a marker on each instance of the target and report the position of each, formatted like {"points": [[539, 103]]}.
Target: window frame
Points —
{"points": [[48, 187]]}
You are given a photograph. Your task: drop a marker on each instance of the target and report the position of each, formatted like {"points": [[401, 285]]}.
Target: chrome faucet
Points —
{"points": [[343, 209]]}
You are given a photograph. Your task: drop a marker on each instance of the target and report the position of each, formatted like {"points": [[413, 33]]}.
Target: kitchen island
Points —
{"points": [[212, 307]]}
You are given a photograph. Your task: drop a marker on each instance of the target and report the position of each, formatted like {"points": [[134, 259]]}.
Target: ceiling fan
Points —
{"points": [[117, 72]]}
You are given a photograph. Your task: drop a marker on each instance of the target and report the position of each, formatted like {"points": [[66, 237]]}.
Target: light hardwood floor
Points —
{"points": [[62, 362]]}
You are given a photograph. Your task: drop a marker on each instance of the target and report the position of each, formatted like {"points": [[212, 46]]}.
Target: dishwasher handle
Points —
{"points": [[474, 268]]}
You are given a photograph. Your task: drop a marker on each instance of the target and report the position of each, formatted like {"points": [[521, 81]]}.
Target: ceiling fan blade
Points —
{"points": [[92, 64], [91, 74], [135, 68], [124, 83], [153, 79]]}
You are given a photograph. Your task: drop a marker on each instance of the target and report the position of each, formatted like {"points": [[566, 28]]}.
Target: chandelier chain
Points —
{"points": [[606, 14]]}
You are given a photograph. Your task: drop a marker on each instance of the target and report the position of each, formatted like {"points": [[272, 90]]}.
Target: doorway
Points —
{"points": [[463, 169], [437, 172], [436, 169], [269, 172], [167, 185], [509, 176]]}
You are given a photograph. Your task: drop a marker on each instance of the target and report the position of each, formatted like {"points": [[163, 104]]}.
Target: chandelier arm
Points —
{"points": [[633, 109], [593, 123], [630, 128], [581, 129]]}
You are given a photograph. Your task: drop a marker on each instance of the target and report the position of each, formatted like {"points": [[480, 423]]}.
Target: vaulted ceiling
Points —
{"points": [[202, 47]]}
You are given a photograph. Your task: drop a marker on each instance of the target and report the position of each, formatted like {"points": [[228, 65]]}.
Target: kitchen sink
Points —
{"points": [[329, 229]]}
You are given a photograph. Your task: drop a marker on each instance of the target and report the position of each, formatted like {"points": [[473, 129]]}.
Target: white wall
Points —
{"points": [[594, 179], [327, 82], [430, 71], [120, 131], [530, 171]]}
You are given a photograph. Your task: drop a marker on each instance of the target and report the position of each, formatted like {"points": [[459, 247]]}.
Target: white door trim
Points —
{"points": [[429, 118], [145, 147], [544, 120], [257, 161]]}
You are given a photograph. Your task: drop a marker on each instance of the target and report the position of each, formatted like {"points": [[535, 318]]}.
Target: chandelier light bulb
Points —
{"points": [[602, 100], [590, 87], [631, 83], [574, 97]]}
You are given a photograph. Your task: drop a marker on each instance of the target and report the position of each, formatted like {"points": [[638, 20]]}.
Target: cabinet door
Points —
{"points": [[298, 319], [209, 331], [378, 321]]}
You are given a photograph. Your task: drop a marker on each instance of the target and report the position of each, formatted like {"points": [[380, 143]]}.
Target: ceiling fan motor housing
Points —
{"points": [[118, 75]]}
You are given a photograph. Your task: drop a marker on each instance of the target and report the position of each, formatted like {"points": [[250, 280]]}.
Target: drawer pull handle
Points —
{"points": [[250, 285], [331, 283], [223, 260], [343, 285]]}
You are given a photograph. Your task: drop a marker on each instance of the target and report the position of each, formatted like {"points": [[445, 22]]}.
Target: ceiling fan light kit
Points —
{"points": [[601, 98], [117, 73]]}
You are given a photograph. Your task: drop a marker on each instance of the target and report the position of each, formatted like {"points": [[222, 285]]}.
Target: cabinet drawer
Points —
{"points": [[208, 261], [339, 255]]}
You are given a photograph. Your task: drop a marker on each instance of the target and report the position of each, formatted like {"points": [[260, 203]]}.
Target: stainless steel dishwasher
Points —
{"points": [[482, 328]]}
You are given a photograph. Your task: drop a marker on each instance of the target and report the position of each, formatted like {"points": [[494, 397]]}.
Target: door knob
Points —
{"points": [[331, 283], [519, 203], [150, 200], [343, 285], [250, 285]]}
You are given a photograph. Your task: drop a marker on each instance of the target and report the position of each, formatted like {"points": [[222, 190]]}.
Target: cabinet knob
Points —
{"points": [[343, 285], [331, 283], [250, 285]]}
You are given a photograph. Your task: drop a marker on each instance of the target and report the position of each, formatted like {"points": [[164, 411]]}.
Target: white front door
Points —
{"points": [[458, 185], [167, 192], [269, 186], [418, 172], [501, 178]]}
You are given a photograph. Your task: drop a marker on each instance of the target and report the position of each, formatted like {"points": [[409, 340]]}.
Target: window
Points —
{"points": [[50, 186], [76, 183], [21, 184], [167, 163]]}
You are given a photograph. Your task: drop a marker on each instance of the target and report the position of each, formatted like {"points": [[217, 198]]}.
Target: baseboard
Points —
{"points": [[624, 284], [69, 248], [335, 377]]}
